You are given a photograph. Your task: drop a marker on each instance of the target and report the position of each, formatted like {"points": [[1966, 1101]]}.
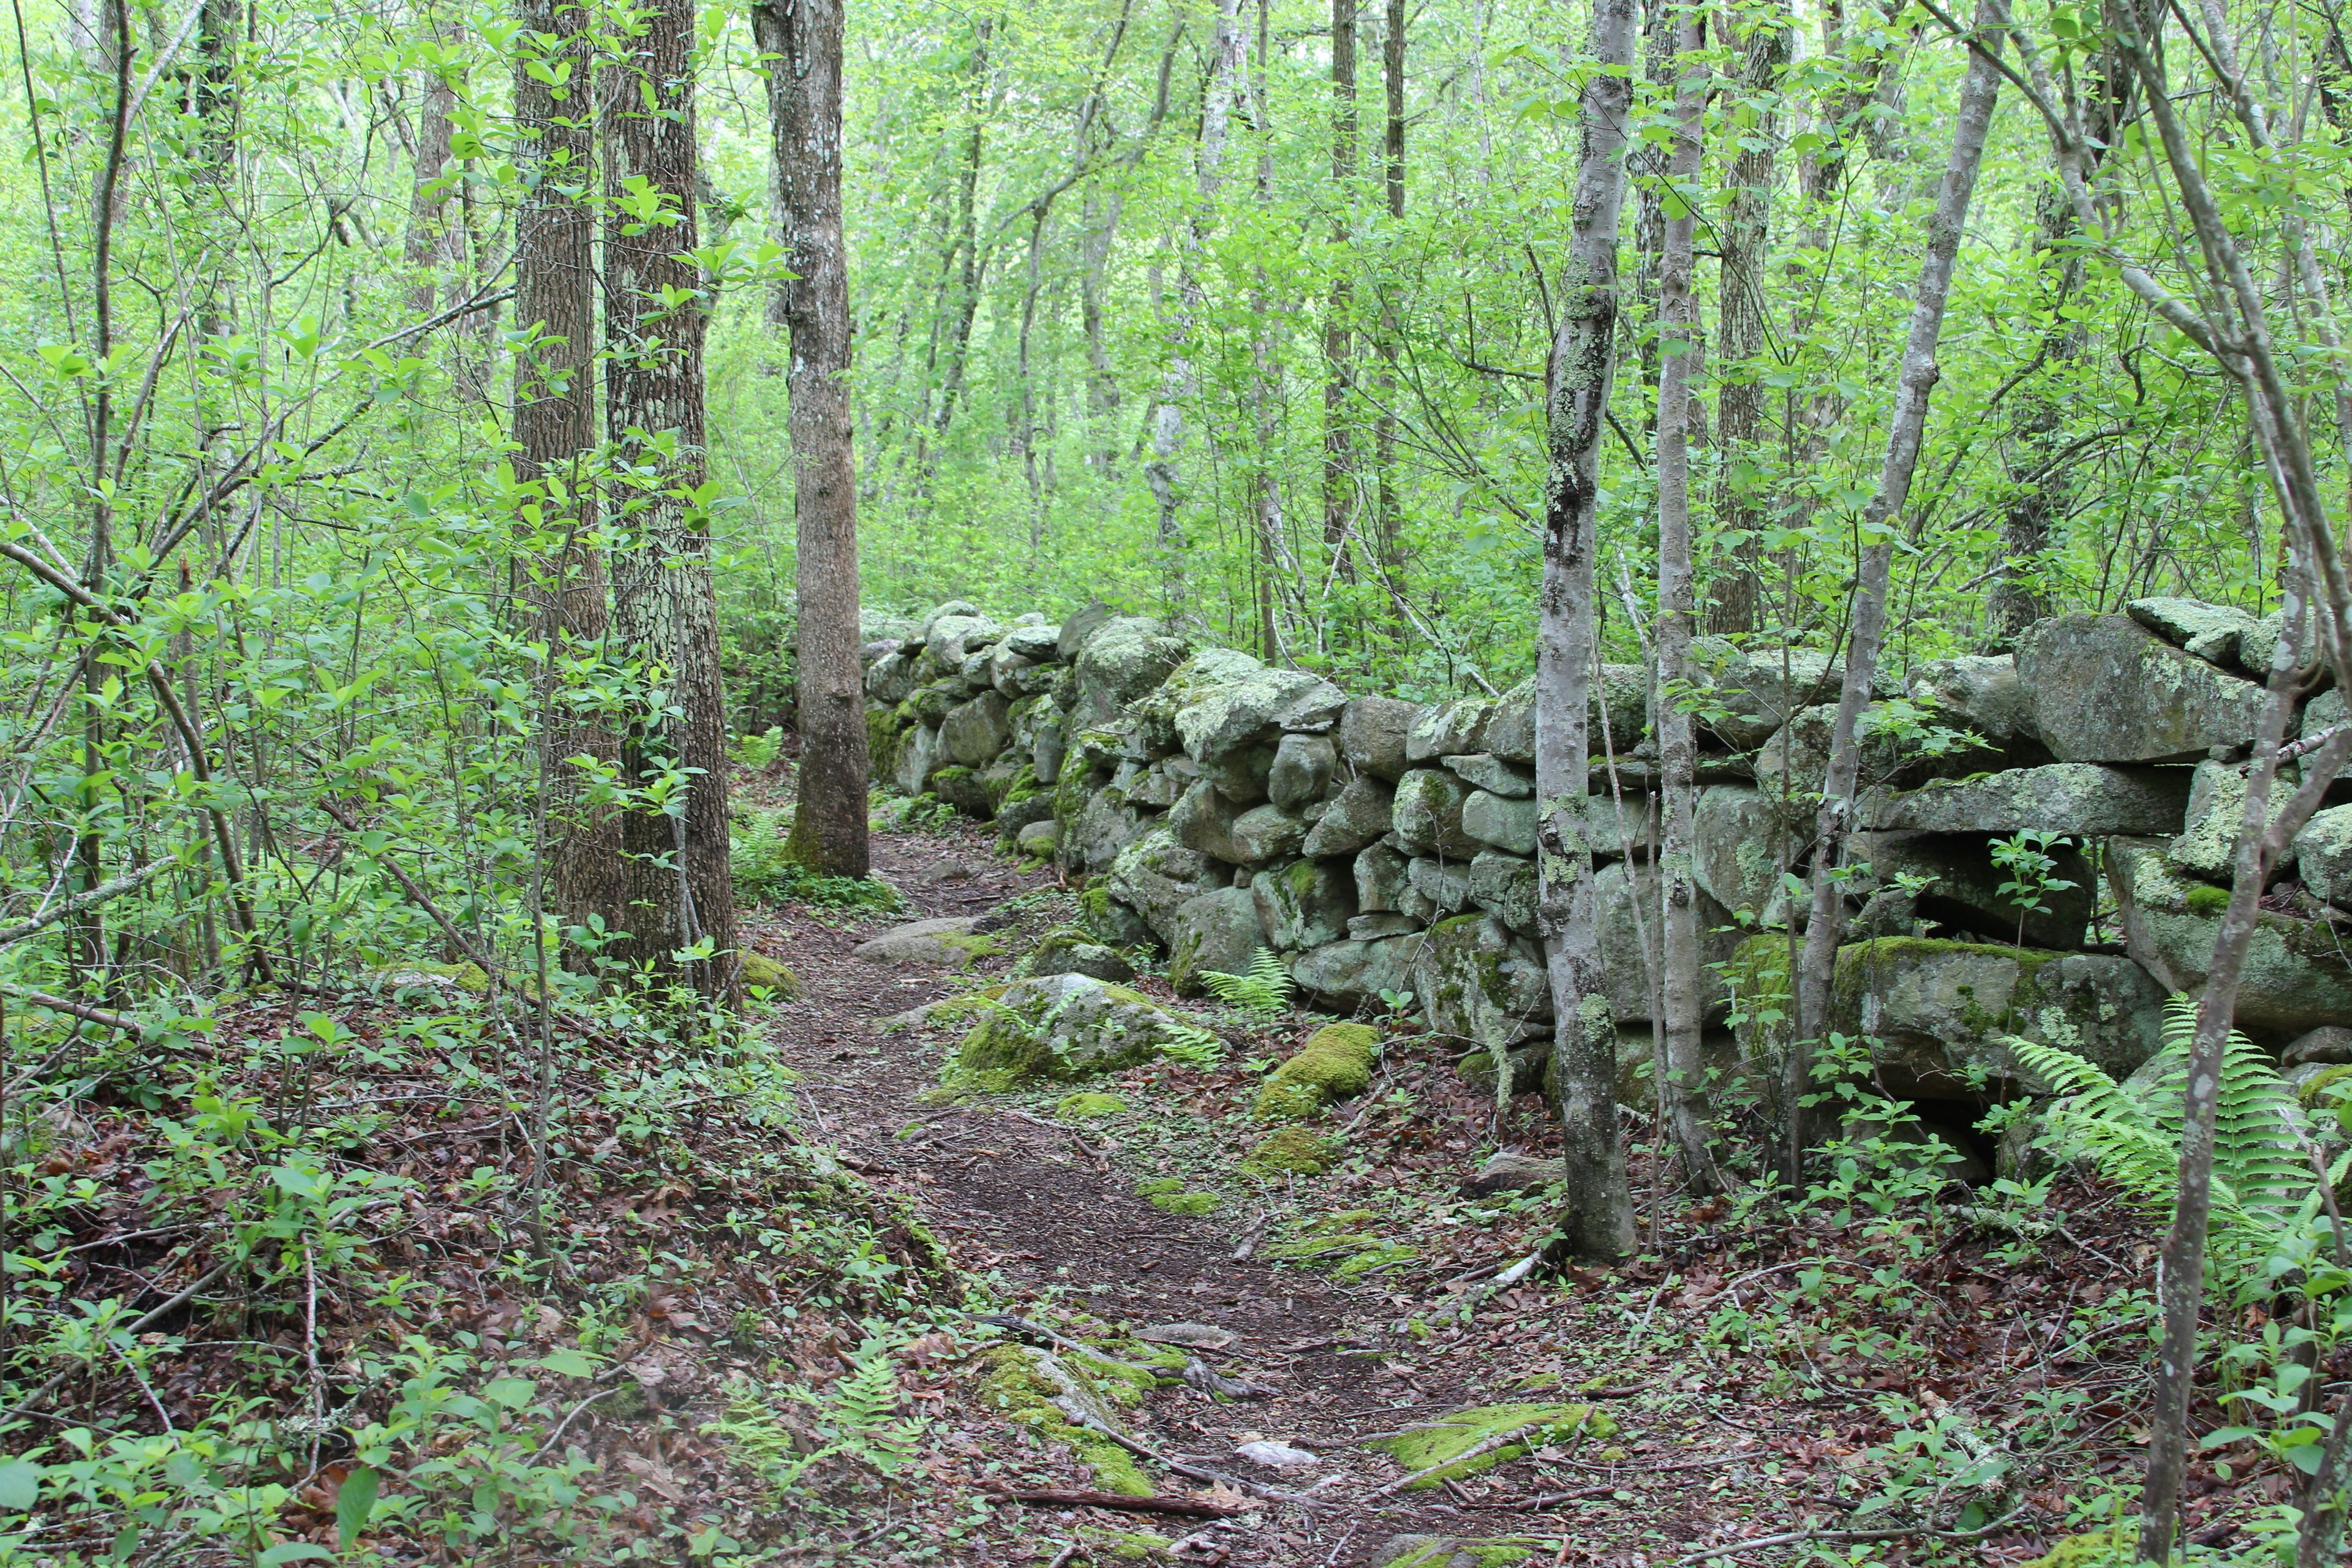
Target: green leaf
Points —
{"points": [[354, 1503], [514, 1393], [20, 1485], [568, 1364], [293, 1552]]}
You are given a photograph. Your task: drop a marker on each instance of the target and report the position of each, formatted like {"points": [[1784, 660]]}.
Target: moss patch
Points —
{"points": [[2098, 1549], [1188, 1203], [1155, 1186], [2314, 1091], [1293, 1151], [1444, 1550], [1335, 1063], [1087, 1106], [1429, 1447], [2205, 899], [1016, 1386], [781, 983]]}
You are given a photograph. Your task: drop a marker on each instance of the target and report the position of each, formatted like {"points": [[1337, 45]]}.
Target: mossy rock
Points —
{"points": [[1153, 1187], [2110, 1548], [1327, 1250], [1335, 1063], [964, 789], [1087, 1106], [1386, 1256], [1018, 1385], [886, 732], [1430, 1447], [781, 983], [1450, 1552], [2312, 1091], [1193, 1203], [467, 977], [1291, 1150]]}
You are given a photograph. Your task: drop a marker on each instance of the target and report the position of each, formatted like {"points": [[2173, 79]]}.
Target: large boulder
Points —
{"points": [[1505, 886], [1155, 875], [1428, 815], [2079, 798], [1305, 904], [1626, 932], [951, 639], [1443, 886], [2211, 632], [1449, 730], [1360, 815], [2296, 975], [1217, 931], [2323, 851], [1266, 833], [1347, 975], [1220, 711], [1495, 775], [1938, 1010], [2107, 690], [1479, 983], [1107, 824], [1981, 691], [1617, 710], [890, 680], [1736, 837], [975, 732], [1126, 658], [1373, 733], [1034, 641], [944, 943], [2208, 844], [1964, 885], [1066, 1025], [1202, 819]]}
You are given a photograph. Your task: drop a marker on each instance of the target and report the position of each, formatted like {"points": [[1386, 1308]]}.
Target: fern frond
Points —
{"points": [[1264, 988], [1192, 1046]]}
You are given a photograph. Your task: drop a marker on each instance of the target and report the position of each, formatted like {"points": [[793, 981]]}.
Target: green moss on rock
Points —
{"points": [[1188, 1203], [781, 983], [1087, 1106], [1429, 1447], [2110, 1548], [2205, 899], [1017, 1386], [1291, 1150], [1335, 1063]]}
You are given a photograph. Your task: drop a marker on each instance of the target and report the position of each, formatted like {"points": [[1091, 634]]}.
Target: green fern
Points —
{"points": [[2264, 1195], [856, 1419], [1263, 990], [1192, 1046]]}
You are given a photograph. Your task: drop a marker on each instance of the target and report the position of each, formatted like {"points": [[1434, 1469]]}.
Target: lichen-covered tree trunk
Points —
{"points": [[555, 433], [1681, 965], [1338, 332], [801, 41], [1876, 532], [1599, 1222], [665, 612]]}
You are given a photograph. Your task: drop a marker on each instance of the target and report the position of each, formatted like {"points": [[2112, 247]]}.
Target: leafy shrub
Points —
{"points": [[763, 874]]}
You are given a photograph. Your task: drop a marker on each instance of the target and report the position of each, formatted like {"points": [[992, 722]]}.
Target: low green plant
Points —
{"points": [[1263, 990], [764, 874], [759, 752], [2025, 855], [856, 1421]]}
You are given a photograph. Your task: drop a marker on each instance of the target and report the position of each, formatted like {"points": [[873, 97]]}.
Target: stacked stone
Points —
{"points": [[1217, 805]]}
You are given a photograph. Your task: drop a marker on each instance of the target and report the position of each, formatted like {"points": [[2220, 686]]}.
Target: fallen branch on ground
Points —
{"points": [[1795, 1536]]}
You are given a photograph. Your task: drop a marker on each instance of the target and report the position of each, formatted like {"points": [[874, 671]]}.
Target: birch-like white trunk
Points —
{"points": [[1599, 1222]]}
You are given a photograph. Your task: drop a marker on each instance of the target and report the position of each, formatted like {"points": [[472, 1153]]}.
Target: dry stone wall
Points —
{"points": [[1215, 805]]}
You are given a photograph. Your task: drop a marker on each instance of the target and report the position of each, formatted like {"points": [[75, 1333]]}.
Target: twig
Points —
{"points": [[87, 1015], [1795, 1537], [130, 881], [1066, 1554], [1250, 1239], [1043, 1496], [33, 1400], [1551, 1499]]}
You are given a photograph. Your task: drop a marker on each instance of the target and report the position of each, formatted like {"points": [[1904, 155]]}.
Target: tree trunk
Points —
{"points": [[1599, 1222], [1099, 226], [1338, 336], [801, 41], [965, 302], [555, 434], [1876, 532], [1681, 964], [1392, 42], [1739, 327], [432, 240], [663, 610]]}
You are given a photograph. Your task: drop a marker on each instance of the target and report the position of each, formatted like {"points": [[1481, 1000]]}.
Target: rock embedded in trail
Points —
{"points": [[1509, 1171], [2107, 690], [1066, 1025], [948, 943]]}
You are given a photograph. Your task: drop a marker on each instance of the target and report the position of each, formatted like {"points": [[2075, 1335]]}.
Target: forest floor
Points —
{"points": [[1900, 1372]]}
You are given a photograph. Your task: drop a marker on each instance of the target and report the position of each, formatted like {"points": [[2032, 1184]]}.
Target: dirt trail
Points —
{"points": [[1028, 1202]]}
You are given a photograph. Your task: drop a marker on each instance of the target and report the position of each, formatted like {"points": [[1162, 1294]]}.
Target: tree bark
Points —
{"points": [[1737, 603], [1339, 334], [1384, 501], [1875, 536], [665, 612], [802, 42], [1599, 1222], [555, 433], [432, 242], [970, 267], [1681, 964]]}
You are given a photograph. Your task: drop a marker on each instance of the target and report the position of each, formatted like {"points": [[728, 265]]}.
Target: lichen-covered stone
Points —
{"points": [[944, 943], [1505, 887], [1372, 734], [1305, 768], [1076, 629], [1125, 658], [2323, 850], [1241, 706], [1626, 973], [1735, 849], [1427, 816], [1335, 1064], [1477, 982], [2211, 632], [1621, 697], [1066, 1025], [1751, 692], [1266, 833], [2207, 843], [1964, 885], [1214, 931], [890, 680], [1345, 975], [1359, 815], [1202, 819], [1067, 951], [1938, 1010], [2080, 798], [918, 755], [951, 639], [1305, 904], [2296, 975], [1443, 885], [1981, 691], [1156, 874], [1484, 770], [1500, 822], [2107, 690], [1382, 876], [1449, 730], [1107, 824], [2330, 1043]]}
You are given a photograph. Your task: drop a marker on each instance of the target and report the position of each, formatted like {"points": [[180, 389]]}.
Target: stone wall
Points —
{"points": [[1213, 806]]}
